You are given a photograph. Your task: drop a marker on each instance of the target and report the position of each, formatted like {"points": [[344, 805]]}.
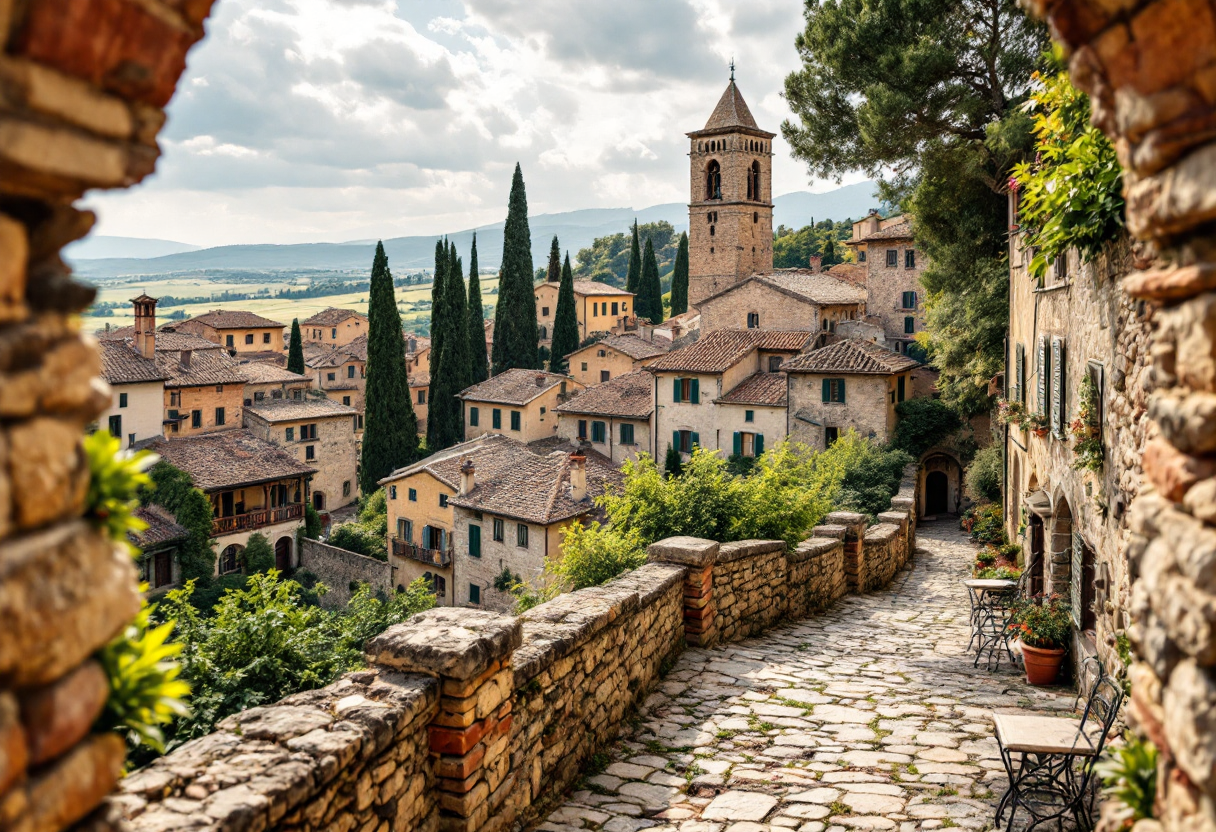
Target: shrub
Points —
{"points": [[173, 489], [593, 554], [923, 423], [985, 474], [999, 573], [987, 524], [1042, 622], [871, 474], [312, 522], [368, 535], [1129, 777], [986, 557], [673, 465], [258, 555]]}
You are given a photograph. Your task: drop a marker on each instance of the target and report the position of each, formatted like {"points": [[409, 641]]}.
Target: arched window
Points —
{"points": [[753, 182], [230, 559], [713, 180]]}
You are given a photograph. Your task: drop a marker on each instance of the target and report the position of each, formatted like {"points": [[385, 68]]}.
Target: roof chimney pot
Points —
{"points": [[578, 477], [468, 477]]}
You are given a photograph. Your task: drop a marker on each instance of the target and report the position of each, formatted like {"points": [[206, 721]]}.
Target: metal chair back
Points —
{"points": [[1098, 721]]}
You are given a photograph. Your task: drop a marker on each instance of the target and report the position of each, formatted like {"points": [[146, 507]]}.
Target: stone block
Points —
{"points": [[14, 751], [738, 550], [1186, 421], [68, 98], [448, 642], [59, 715], [52, 471], [688, 551], [14, 259], [73, 786], [60, 161], [1174, 473], [276, 723]]}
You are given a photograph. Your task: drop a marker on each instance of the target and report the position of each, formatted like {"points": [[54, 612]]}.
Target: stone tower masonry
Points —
{"points": [[730, 208]]}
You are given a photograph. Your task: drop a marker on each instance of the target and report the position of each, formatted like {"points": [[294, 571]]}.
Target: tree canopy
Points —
{"points": [[607, 260], [295, 352], [515, 333], [649, 300], [679, 278], [479, 364], [633, 277], [565, 322]]}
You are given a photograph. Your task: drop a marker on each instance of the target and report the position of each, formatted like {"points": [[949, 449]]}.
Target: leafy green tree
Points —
{"points": [[173, 489], [985, 474], [593, 555], [565, 322], [649, 301], [607, 259], [479, 364], [515, 333], [312, 522], [295, 353], [554, 272], [258, 555], [634, 276], [390, 435], [679, 279], [673, 464], [923, 423]]}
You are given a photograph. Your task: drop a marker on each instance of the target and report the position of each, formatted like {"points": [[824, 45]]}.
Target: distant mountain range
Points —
{"points": [[102, 257]]}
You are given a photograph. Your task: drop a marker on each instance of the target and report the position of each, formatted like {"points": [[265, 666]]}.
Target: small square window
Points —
{"points": [[310, 451], [749, 415], [249, 338], [498, 529], [122, 399], [392, 492], [521, 535], [604, 376], [544, 311], [474, 594], [265, 337], [515, 420], [443, 500], [413, 495], [290, 434], [753, 320], [584, 366], [830, 435], [346, 488], [346, 400], [861, 256], [892, 257]]}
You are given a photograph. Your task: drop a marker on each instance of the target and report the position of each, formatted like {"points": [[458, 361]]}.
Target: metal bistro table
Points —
{"points": [[990, 600]]}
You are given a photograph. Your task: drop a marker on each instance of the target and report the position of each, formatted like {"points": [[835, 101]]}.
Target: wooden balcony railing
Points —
{"points": [[435, 557], [257, 519]]}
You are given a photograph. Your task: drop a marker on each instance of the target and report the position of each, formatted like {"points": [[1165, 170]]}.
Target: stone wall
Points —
{"points": [[338, 568], [82, 84], [749, 584], [1149, 67]]}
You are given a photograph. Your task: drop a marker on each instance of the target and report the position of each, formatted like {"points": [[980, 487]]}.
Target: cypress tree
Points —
{"points": [[439, 332], [515, 334], [555, 263], [649, 300], [679, 278], [634, 275], [565, 322], [295, 353], [390, 435], [479, 367], [458, 344]]}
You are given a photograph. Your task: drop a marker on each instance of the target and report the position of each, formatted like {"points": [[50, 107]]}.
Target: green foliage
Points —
{"points": [[794, 248], [608, 259], [450, 345], [515, 334], [923, 424], [390, 435], [554, 273], [312, 522], [986, 557], [367, 535], [985, 475], [295, 351], [998, 573], [258, 555], [173, 489], [871, 473], [594, 554], [115, 480], [673, 464], [1042, 622], [1087, 430], [565, 321], [145, 691], [986, 523], [505, 580], [1129, 777], [649, 302], [633, 278], [479, 361], [1071, 195], [679, 278]]}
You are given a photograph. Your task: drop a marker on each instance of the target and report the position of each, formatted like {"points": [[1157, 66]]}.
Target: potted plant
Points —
{"points": [[1036, 422], [1087, 430], [1010, 412], [1044, 628]]}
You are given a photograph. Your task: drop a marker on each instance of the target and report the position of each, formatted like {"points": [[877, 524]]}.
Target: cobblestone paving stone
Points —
{"points": [[869, 717]]}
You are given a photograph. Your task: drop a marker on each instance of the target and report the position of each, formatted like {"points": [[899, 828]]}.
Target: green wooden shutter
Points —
{"points": [[1059, 409], [759, 444], [738, 443], [827, 389], [696, 438], [1043, 367], [695, 395], [1019, 373], [675, 391], [675, 440], [840, 381], [474, 541]]}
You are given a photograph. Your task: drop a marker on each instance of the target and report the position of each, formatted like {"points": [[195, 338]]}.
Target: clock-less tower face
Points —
{"points": [[730, 207]]}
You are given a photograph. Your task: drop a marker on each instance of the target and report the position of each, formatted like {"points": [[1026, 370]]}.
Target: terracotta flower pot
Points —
{"points": [[1041, 431], [1042, 664]]}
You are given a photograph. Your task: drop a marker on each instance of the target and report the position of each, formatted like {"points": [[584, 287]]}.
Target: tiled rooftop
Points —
{"points": [[262, 372], [332, 316], [290, 410], [490, 453], [235, 319], [633, 346], [162, 527], [628, 396], [851, 356], [217, 461], [536, 489], [731, 111], [593, 287], [898, 231], [723, 348], [516, 386], [122, 364], [761, 389], [205, 367]]}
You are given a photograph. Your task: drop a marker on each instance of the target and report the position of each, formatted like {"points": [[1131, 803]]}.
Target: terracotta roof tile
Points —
{"points": [[761, 389], [731, 111], [331, 316], [420, 379], [805, 285], [536, 489], [234, 319], [162, 527], [723, 348], [516, 387], [289, 410], [593, 287], [628, 396], [121, 364], [851, 356], [631, 345], [898, 231], [264, 372], [231, 459], [205, 367]]}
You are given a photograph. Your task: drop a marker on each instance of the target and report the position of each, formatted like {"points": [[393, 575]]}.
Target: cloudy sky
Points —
{"points": [[331, 120]]}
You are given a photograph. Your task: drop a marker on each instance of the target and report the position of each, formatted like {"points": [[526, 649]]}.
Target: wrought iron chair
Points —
{"points": [[1050, 760]]}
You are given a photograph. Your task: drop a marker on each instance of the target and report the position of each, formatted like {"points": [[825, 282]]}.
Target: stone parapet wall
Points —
{"points": [[750, 583], [338, 568], [814, 577]]}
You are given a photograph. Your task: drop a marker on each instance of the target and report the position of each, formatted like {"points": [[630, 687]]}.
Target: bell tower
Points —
{"points": [[730, 207]]}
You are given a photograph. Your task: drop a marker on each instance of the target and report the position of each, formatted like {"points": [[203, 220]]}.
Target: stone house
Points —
{"points": [[613, 356], [1077, 328], [614, 418], [333, 327], [420, 517], [417, 354], [339, 372], [513, 519], [137, 383], [894, 297], [849, 384], [265, 381], [157, 545], [254, 487], [730, 205], [236, 330], [420, 398], [597, 306], [694, 385], [517, 403], [677, 326], [753, 413], [204, 386], [320, 433], [785, 299]]}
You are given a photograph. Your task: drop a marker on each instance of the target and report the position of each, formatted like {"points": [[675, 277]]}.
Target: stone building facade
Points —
{"points": [[333, 327], [893, 265], [614, 418], [236, 331], [614, 356], [266, 381], [319, 433], [730, 204], [787, 299], [517, 403]]}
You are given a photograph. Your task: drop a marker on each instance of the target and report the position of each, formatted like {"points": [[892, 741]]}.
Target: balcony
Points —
{"points": [[256, 519], [434, 557]]}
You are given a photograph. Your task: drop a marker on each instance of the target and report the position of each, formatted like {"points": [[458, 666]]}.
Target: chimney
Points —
{"points": [[145, 326], [540, 381], [468, 477], [578, 477], [184, 359], [816, 263]]}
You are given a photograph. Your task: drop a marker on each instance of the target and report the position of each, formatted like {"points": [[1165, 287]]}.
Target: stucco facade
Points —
{"points": [[136, 412], [209, 408], [868, 408], [237, 339], [525, 421], [788, 299], [597, 306], [419, 517], [612, 444], [333, 327]]}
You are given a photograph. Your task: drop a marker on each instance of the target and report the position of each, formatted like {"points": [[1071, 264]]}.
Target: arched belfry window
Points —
{"points": [[713, 180], [753, 182]]}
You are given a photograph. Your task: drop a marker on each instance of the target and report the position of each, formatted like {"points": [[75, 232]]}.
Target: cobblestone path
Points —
{"points": [[869, 717]]}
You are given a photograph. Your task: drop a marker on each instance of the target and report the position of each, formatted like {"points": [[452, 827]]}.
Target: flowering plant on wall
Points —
{"points": [[1010, 412], [1087, 430]]}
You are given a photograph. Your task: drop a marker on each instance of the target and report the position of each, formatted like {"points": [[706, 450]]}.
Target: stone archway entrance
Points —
{"points": [[941, 484], [937, 493], [282, 554]]}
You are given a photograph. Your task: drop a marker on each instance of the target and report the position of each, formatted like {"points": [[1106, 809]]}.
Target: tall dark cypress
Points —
{"points": [[390, 435], [649, 300], [565, 322], [439, 331], [555, 263], [679, 278], [295, 352], [458, 343], [515, 333], [479, 366], [634, 276]]}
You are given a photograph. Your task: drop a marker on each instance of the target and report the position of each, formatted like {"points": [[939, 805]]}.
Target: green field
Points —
{"points": [[413, 318]]}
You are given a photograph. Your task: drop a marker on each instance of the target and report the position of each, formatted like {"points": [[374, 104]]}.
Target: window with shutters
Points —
{"points": [[901, 388], [474, 414], [686, 390], [496, 419], [909, 325], [582, 428], [474, 541], [627, 434], [515, 420], [219, 415], [350, 371], [122, 399], [443, 500], [115, 426], [684, 440], [521, 535], [909, 300], [1059, 409], [598, 432], [497, 529], [615, 307], [1019, 374], [308, 432], [474, 594], [748, 444], [196, 418], [892, 257], [413, 495], [833, 391], [1042, 368]]}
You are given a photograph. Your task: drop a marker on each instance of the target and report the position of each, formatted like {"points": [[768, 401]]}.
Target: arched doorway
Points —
{"points": [[1033, 561], [282, 554], [318, 500], [937, 493]]}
